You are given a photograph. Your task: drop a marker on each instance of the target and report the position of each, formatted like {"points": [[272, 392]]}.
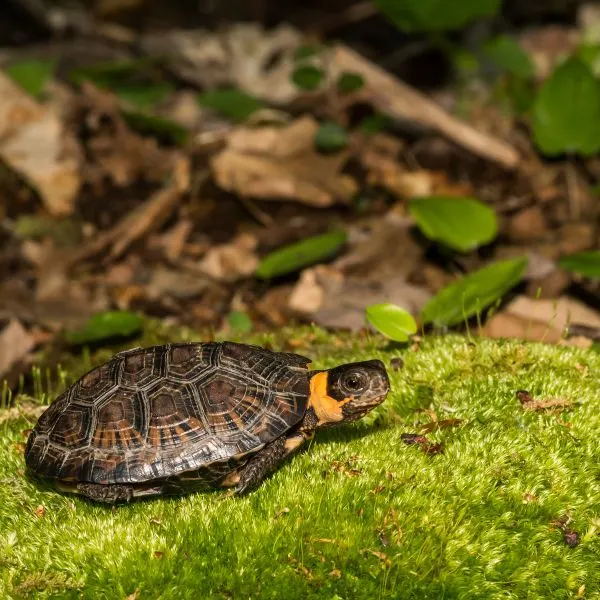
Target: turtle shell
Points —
{"points": [[157, 412]]}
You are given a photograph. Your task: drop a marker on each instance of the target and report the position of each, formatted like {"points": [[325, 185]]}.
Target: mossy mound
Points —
{"points": [[509, 509]]}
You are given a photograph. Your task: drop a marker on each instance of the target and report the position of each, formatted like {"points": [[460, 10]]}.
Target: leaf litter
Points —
{"points": [[179, 226]]}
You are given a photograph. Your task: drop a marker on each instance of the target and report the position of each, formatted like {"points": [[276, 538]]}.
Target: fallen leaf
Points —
{"points": [[544, 404], [426, 445], [146, 217], [435, 425], [382, 556], [113, 152], [15, 345], [34, 142], [281, 164], [173, 241], [331, 299], [133, 595], [175, 283], [540, 320], [240, 56], [232, 261]]}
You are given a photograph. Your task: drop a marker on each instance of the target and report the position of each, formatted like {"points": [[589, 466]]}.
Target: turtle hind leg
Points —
{"points": [[109, 493]]}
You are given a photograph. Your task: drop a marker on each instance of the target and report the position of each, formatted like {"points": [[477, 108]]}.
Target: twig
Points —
{"points": [[401, 101]]}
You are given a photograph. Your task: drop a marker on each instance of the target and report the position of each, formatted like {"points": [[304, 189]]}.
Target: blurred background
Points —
{"points": [[233, 167]]}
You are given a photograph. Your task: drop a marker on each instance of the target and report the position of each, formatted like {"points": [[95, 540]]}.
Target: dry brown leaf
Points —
{"points": [[381, 249], [329, 298], [34, 143], [173, 240], [547, 45], [280, 163], [382, 556], [540, 320], [15, 345], [145, 218], [233, 261], [175, 283], [113, 151], [240, 56], [546, 403]]}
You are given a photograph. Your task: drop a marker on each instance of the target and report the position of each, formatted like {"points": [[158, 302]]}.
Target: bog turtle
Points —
{"points": [[176, 417]]}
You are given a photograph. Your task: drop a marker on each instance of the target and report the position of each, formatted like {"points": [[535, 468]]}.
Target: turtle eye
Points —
{"points": [[354, 382]]}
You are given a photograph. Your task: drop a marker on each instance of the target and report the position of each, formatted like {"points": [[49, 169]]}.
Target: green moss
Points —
{"points": [[361, 514]]}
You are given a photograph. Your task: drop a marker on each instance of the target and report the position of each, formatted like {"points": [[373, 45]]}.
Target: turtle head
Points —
{"points": [[348, 392]]}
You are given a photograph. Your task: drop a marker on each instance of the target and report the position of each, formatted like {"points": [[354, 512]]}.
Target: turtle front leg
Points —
{"points": [[263, 463]]}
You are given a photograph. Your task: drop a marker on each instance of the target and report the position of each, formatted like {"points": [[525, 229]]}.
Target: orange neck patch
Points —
{"points": [[327, 409]]}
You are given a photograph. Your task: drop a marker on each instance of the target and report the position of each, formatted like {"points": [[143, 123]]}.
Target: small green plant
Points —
{"points": [[331, 137], [308, 77], [473, 293], [392, 321], [231, 102], [582, 263], [149, 124], [462, 224], [566, 113], [296, 256], [435, 15], [32, 75], [239, 322], [105, 326], [508, 56]]}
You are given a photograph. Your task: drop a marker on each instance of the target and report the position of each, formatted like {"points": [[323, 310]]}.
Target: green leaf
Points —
{"points": [[31, 75], [350, 82], [302, 254], [308, 77], [109, 74], [435, 15], [160, 127], [144, 96], [508, 55], [106, 325], [474, 292], [461, 223], [65, 232], [375, 123], [583, 263], [239, 321], [231, 102], [308, 51], [392, 321], [331, 137], [566, 113], [590, 55]]}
